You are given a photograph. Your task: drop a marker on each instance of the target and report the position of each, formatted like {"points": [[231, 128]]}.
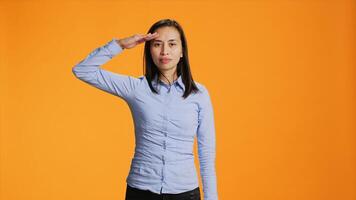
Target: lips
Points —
{"points": [[165, 60]]}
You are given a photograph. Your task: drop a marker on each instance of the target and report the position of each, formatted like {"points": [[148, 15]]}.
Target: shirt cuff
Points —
{"points": [[114, 47]]}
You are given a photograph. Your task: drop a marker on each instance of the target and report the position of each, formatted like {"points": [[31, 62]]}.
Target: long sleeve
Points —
{"points": [[206, 147], [89, 70]]}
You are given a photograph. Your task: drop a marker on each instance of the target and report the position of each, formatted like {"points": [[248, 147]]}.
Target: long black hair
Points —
{"points": [[183, 67]]}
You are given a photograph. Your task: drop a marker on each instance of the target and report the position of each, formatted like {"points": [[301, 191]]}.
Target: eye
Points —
{"points": [[155, 44], [173, 44]]}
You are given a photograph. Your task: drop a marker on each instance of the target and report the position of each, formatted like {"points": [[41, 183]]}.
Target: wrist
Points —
{"points": [[120, 43]]}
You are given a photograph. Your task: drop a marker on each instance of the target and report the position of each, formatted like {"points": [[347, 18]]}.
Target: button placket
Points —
{"points": [[166, 100]]}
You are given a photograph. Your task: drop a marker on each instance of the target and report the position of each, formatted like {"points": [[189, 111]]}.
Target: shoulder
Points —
{"points": [[134, 81], [203, 94], [203, 98], [203, 90], [141, 81], [138, 79]]}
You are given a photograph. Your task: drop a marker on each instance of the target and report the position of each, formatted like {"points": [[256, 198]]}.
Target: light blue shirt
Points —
{"points": [[165, 127]]}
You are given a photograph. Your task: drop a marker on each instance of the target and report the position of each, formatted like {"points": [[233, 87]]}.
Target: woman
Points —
{"points": [[169, 109]]}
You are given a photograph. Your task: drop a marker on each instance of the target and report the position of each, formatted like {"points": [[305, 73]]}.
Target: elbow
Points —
{"points": [[74, 71], [84, 73]]}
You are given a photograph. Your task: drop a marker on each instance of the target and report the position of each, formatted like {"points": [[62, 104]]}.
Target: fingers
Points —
{"points": [[147, 37], [150, 36]]}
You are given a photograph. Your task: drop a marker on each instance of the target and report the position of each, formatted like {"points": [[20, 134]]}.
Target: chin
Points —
{"points": [[165, 67]]}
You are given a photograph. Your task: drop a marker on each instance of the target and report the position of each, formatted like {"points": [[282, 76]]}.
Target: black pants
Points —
{"points": [[138, 194]]}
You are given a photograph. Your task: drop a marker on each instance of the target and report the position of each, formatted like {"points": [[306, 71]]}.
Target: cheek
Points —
{"points": [[177, 54], [154, 55]]}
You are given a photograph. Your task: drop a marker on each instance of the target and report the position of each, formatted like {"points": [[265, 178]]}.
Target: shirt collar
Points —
{"points": [[179, 81]]}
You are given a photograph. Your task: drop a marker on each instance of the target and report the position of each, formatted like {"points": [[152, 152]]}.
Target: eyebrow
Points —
{"points": [[161, 40]]}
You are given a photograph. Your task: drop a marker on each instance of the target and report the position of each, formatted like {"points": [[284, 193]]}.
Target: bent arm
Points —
{"points": [[89, 70]]}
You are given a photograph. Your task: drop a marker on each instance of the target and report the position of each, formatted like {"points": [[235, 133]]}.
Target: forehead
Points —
{"points": [[167, 34]]}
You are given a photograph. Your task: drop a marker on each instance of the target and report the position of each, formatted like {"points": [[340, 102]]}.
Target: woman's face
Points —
{"points": [[166, 49]]}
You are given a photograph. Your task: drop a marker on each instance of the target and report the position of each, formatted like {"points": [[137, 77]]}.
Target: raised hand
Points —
{"points": [[132, 41]]}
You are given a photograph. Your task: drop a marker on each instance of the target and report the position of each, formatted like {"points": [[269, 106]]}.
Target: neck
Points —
{"points": [[171, 75]]}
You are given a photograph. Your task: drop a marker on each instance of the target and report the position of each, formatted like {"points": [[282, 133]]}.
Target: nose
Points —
{"points": [[164, 50]]}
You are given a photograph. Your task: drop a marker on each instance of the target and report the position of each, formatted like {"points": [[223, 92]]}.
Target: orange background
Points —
{"points": [[281, 75]]}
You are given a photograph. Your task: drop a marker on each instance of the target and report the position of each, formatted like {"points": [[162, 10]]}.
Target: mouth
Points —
{"points": [[165, 61]]}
